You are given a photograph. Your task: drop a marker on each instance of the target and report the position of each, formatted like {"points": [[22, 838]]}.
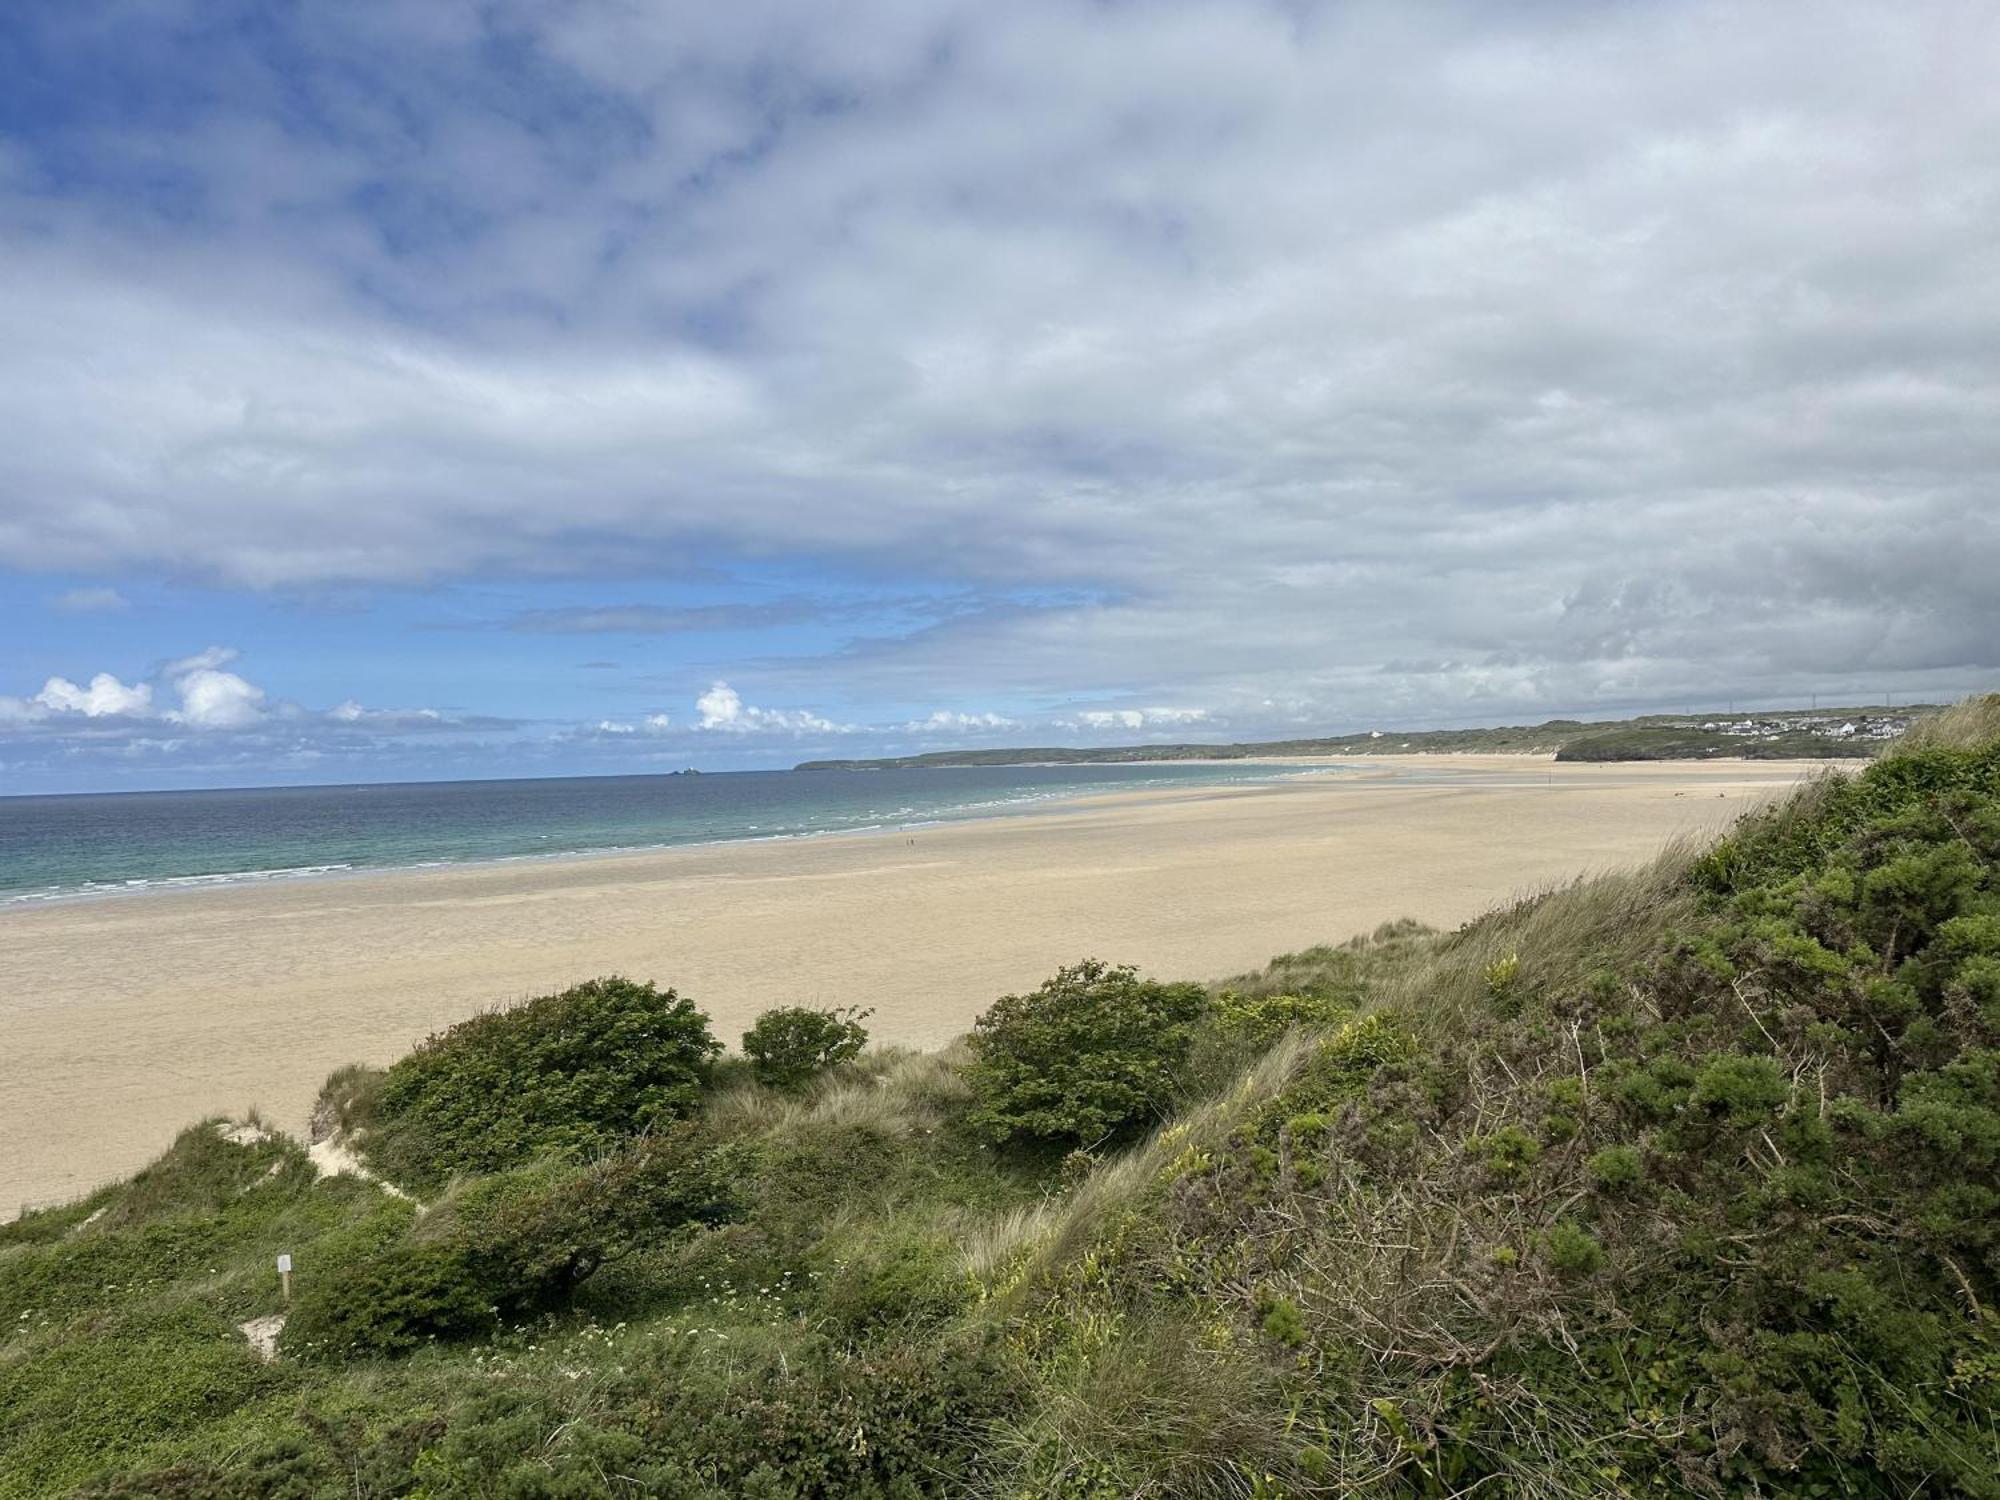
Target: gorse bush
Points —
{"points": [[570, 1074], [1616, 1168], [1093, 1052], [790, 1046]]}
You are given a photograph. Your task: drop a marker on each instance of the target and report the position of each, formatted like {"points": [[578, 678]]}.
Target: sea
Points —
{"points": [[86, 845]]}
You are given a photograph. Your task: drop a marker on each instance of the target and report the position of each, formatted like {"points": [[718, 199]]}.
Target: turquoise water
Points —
{"points": [[55, 847]]}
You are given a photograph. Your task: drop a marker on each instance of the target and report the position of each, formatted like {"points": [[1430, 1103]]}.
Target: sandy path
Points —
{"points": [[122, 1019]]}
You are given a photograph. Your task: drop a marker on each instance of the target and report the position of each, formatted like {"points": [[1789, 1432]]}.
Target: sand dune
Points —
{"points": [[128, 1017]]}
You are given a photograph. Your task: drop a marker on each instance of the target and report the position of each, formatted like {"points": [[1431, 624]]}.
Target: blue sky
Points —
{"points": [[495, 388]]}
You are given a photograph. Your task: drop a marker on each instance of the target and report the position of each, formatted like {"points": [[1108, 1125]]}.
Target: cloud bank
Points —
{"points": [[1338, 363], [194, 701], [194, 712], [722, 708]]}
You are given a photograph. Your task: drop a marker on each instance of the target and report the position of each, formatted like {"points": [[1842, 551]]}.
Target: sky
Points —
{"points": [[487, 389]]}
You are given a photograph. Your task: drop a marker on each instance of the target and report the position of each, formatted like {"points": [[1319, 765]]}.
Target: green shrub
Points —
{"points": [[1281, 1320], [1340, 1067], [109, 1386], [1507, 1153], [1615, 1168], [569, 1073], [1745, 1089], [1240, 1027], [349, 1102], [1652, 1092], [1573, 1250], [791, 1045], [885, 1421], [1095, 1051], [203, 1173], [1255, 1021], [508, 1246], [391, 1303], [535, 1234]]}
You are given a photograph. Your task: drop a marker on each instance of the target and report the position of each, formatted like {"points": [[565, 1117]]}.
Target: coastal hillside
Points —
{"points": [[1782, 734], [1682, 1180]]}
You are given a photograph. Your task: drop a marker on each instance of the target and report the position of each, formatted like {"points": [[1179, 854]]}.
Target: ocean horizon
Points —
{"points": [[74, 845]]}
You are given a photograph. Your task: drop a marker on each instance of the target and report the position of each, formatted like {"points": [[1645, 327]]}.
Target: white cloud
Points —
{"points": [[210, 697], [651, 724], [195, 721], [91, 601], [105, 696], [351, 712], [1134, 718], [217, 700], [206, 659], [948, 721], [722, 708]]}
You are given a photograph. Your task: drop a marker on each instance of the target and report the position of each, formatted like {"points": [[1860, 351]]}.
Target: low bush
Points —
{"points": [[886, 1422], [509, 1246], [113, 1383], [1615, 1168], [400, 1299], [790, 1046], [205, 1171], [564, 1074], [1573, 1250], [1281, 1320], [534, 1235], [1095, 1051]]}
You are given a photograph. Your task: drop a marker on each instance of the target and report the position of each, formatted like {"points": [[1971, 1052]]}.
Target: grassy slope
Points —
{"points": [[1683, 1180], [1676, 1180], [1691, 742]]}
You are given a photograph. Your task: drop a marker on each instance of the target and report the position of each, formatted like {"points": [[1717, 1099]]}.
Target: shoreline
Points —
{"points": [[1287, 767], [1284, 768], [130, 1019]]}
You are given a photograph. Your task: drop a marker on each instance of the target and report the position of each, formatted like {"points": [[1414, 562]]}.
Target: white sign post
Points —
{"points": [[285, 1275]]}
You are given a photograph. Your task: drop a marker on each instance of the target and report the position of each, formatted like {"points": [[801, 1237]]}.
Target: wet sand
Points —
{"points": [[122, 1019]]}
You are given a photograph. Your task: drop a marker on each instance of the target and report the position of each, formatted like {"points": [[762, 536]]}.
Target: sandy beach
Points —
{"points": [[126, 1018]]}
